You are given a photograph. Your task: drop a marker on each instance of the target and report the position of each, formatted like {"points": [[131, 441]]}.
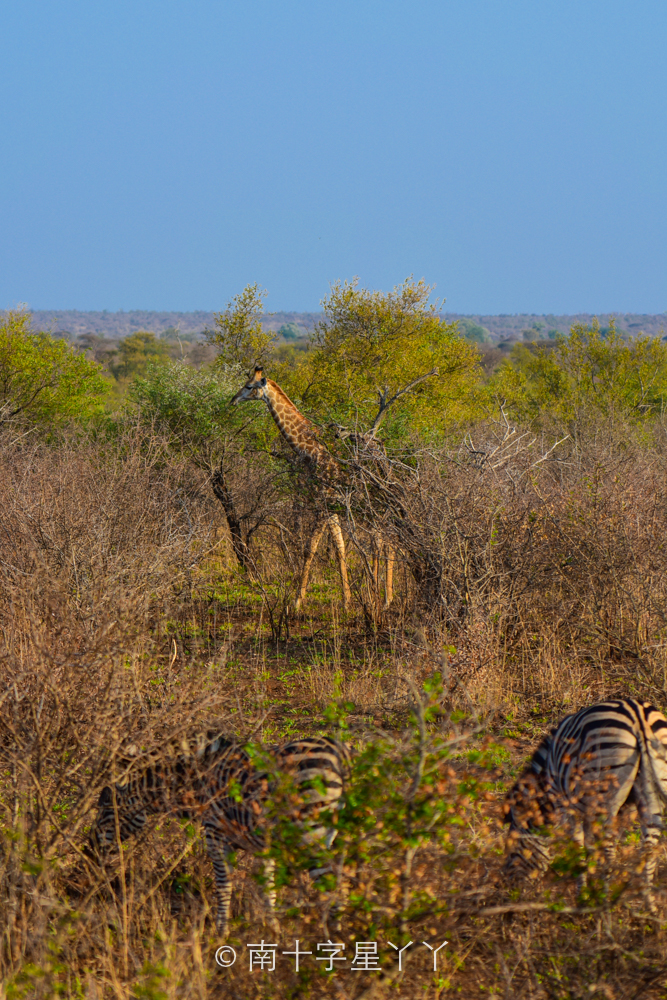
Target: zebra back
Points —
{"points": [[225, 786], [298, 779], [589, 764], [320, 765]]}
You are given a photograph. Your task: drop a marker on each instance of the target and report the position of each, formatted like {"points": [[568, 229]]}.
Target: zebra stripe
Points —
{"points": [[219, 784], [591, 765]]}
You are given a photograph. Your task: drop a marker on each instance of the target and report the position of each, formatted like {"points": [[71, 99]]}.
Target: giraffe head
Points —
{"points": [[255, 388], [297, 430]]}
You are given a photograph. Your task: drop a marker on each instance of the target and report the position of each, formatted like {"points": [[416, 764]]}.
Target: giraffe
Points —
{"points": [[302, 438], [301, 435]]}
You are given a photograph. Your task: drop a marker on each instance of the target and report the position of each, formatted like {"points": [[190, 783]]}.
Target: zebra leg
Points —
{"points": [[336, 908], [216, 848], [579, 837], [609, 844], [528, 858], [328, 836], [270, 892], [609, 847], [649, 807], [650, 837]]}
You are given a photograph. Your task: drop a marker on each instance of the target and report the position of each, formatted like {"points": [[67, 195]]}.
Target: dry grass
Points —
{"points": [[125, 620]]}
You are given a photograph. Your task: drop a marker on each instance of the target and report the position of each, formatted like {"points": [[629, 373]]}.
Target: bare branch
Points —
{"points": [[385, 403]]}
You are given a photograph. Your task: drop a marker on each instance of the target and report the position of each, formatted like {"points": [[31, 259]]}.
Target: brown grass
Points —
{"points": [[125, 620]]}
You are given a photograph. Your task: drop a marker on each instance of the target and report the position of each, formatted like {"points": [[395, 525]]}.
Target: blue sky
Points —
{"points": [[157, 154]]}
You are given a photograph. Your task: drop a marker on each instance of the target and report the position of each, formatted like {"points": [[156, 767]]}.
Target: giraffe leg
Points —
{"points": [[380, 547], [389, 582], [313, 546], [377, 551], [337, 535], [216, 848]]}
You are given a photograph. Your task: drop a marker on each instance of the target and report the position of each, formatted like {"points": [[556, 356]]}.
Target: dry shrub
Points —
{"points": [[98, 541], [125, 620], [550, 558]]}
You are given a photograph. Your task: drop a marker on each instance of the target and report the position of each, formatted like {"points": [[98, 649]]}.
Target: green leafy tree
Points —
{"points": [[239, 336], [385, 358], [534, 331], [43, 378], [135, 352], [590, 371], [193, 407]]}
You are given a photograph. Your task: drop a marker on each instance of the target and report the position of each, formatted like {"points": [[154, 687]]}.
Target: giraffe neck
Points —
{"points": [[297, 430]]}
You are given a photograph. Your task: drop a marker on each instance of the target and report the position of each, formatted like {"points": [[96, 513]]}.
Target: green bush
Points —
{"points": [[590, 371], [474, 332], [193, 405], [44, 379]]}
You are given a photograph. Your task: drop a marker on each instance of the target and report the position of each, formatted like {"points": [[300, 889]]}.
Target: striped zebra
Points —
{"points": [[590, 765], [219, 783]]}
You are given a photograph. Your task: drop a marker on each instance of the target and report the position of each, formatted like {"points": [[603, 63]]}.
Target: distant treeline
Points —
{"points": [[121, 324], [522, 326]]}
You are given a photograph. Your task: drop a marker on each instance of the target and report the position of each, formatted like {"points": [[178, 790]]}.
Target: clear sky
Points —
{"points": [[162, 154]]}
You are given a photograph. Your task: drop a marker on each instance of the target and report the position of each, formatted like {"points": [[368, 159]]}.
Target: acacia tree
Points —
{"points": [[383, 362], [193, 406], [43, 378], [239, 336], [386, 358]]}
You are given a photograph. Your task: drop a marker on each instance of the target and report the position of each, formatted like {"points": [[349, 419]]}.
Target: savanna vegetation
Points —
{"points": [[152, 543]]}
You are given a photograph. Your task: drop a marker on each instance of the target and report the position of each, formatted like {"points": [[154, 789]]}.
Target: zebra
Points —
{"points": [[593, 763], [220, 784]]}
